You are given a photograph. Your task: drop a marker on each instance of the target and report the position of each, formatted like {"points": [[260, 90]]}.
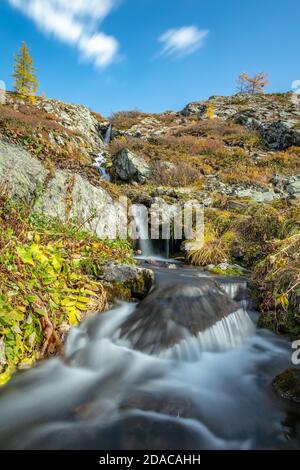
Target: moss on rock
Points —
{"points": [[287, 385]]}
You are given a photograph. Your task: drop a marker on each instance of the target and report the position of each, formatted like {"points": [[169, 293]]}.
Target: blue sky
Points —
{"points": [[150, 54]]}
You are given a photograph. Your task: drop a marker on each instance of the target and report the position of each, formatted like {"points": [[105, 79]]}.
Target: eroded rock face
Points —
{"points": [[76, 118], [168, 315], [287, 385], [138, 280], [130, 167]]}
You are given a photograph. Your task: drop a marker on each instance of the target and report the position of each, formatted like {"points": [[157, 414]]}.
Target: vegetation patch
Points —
{"points": [[46, 283]]}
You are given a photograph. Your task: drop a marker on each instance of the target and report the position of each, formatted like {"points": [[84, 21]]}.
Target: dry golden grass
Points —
{"points": [[215, 250], [183, 174], [28, 119], [208, 156], [124, 120]]}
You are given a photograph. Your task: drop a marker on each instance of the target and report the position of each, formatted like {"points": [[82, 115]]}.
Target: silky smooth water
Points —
{"points": [[211, 391]]}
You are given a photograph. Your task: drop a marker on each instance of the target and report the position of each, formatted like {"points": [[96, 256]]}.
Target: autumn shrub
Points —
{"points": [[181, 174], [277, 278], [124, 120], [286, 163]]}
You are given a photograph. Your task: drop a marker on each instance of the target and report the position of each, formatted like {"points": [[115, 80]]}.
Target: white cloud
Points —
{"points": [[74, 22], [182, 41]]}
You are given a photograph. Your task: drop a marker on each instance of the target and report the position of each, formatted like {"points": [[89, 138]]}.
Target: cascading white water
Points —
{"points": [[228, 333], [211, 391], [232, 288], [236, 290], [100, 160]]}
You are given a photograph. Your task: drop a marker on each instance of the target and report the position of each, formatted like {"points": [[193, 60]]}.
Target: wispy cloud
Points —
{"points": [[182, 41], [76, 23]]}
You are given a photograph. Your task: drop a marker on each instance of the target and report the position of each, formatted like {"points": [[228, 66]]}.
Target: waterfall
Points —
{"points": [[158, 249], [140, 215], [107, 137]]}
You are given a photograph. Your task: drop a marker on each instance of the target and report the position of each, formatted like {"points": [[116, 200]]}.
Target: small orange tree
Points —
{"points": [[210, 112], [252, 85]]}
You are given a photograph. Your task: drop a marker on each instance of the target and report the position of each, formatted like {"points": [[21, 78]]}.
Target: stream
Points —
{"points": [[133, 380]]}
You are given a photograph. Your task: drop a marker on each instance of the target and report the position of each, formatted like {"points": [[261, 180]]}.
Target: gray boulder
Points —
{"points": [[280, 135], [293, 186], [194, 108], [21, 175], [130, 167], [138, 280]]}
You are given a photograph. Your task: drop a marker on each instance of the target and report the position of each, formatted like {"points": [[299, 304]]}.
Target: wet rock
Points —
{"points": [[170, 314], [175, 405], [287, 385], [160, 264], [130, 167], [138, 280], [227, 269]]}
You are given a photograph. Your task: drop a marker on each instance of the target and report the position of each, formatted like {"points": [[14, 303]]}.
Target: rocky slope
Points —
{"points": [[243, 164]]}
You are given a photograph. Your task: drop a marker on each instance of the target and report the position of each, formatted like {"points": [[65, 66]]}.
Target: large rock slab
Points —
{"points": [[130, 167], [70, 197], [21, 175], [65, 196]]}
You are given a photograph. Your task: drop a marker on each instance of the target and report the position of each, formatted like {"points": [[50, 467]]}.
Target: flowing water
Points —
{"points": [[108, 133], [100, 160], [210, 391]]}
